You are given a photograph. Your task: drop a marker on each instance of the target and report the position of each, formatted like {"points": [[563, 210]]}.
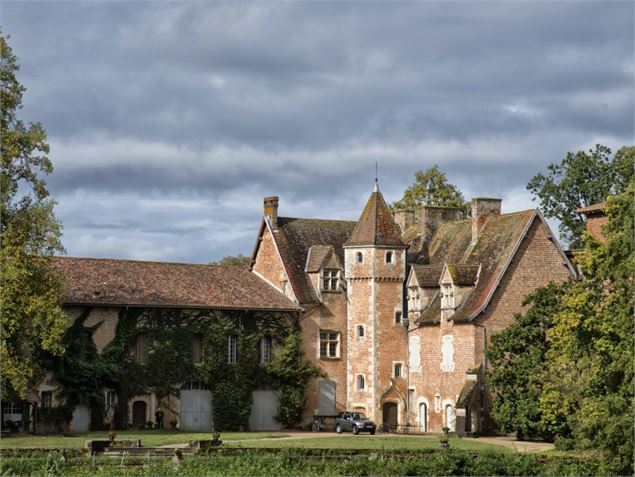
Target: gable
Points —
{"points": [[268, 264]]}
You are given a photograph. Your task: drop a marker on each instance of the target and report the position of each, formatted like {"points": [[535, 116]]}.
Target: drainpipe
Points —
{"points": [[482, 386]]}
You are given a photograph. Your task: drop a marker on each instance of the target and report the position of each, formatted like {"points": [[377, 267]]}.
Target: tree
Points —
{"points": [[239, 259], [431, 188], [516, 358], [32, 320], [581, 179]]}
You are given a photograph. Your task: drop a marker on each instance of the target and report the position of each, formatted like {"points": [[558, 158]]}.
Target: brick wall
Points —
{"points": [[594, 224], [269, 266]]}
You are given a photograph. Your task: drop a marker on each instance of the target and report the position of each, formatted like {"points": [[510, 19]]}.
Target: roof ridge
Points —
{"points": [[101, 259], [318, 220]]}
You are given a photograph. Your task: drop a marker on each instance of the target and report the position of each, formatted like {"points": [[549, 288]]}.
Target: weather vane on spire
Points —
{"points": [[376, 179]]}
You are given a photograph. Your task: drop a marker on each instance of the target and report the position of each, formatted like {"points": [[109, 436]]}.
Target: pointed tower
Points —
{"points": [[375, 270]]}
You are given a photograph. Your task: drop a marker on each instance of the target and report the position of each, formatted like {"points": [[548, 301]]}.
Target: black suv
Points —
{"points": [[354, 421]]}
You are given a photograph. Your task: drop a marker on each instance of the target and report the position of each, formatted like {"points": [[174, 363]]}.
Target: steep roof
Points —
{"points": [[318, 256], [463, 275], [497, 242], [376, 225], [111, 282], [428, 276], [295, 237]]}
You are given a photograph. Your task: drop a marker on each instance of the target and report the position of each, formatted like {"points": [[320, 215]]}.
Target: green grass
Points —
{"points": [[378, 442], [148, 438]]}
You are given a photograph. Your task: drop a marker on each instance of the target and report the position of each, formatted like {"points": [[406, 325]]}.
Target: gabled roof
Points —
{"points": [[376, 225], [427, 276], [295, 237], [320, 256], [462, 275], [111, 282]]}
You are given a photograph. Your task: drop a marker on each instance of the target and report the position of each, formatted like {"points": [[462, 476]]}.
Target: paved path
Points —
{"points": [[510, 442]]}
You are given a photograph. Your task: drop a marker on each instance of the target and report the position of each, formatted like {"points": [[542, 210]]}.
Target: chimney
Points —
{"points": [[428, 219], [271, 210], [405, 218], [482, 208]]}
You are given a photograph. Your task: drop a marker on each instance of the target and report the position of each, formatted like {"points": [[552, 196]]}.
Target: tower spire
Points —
{"points": [[376, 179]]}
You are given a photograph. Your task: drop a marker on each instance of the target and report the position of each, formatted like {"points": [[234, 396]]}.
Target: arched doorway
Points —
{"points": [[139, 414], [389, 416], [450, 418], [423, 417]]}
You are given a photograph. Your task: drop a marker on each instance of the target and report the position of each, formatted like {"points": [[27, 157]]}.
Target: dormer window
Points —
{"points": [[359, 257], [447, 296], [330, 279], [389, 256], [413, 297]]}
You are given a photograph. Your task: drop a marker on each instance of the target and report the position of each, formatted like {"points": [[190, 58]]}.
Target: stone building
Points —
{"points": [[396, 310]]}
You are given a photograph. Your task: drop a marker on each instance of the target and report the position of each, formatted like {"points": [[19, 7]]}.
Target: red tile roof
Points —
{"points": [[376, 225], [111, 282]]}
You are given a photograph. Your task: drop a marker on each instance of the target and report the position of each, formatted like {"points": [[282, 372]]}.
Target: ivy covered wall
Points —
{"points": [[169, 334]]}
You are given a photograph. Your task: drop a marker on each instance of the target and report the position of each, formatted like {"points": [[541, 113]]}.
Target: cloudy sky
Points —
{"points": [[170, 120]]}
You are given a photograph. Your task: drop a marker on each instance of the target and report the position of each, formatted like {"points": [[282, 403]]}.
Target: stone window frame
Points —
{"points": [[46, 398], [414, 298], [197, 348], [398, 317], [389, 257], [447, 361], [360, 383], [232, 349], [361, 332], [110, 398], [447, 296], [266, 349], [141, 348], [411, 367], [398, 366], [330, 280], [329, 342], [359, 257]]}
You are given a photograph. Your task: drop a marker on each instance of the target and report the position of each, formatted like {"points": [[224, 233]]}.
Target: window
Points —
{"points": [[140, 351], [398, 317], [329, 344], [447, 350], [330, 279], [437, 402], [47, 398], [447, 296], [360, 382], [232, 342], [197, 349], [326, 397], [110, 399], [389, 257], [285, 287], [12, 408], [450, 419], [360, 331], [265, 349], [397, 370], [360, 257], [414, 300], [414, 353], [411, 399], [194, 385]]}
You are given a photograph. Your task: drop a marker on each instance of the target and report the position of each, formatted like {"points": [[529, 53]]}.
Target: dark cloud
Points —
{"points": [[206, 101]]}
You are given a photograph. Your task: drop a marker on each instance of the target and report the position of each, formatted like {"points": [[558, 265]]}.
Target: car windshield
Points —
{"points": [[358, 416]]}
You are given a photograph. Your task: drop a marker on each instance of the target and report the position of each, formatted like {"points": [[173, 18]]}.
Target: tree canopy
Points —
{"points": [[239, 259], [32, 319], [431, 188], [571, 375], [581, 179]]}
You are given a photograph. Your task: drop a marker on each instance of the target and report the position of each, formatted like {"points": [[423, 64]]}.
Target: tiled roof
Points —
{"points": [[317, 256], [463, 275], [295, 237], [466, 393], [428, 276], [93, 281], [592, 209], [492, 251], [376, 225]]}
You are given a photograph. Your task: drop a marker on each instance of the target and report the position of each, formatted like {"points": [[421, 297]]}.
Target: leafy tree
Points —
{"points": [[516, 357], [431, 188], [581, 179], [32, 319], [239, 259]]}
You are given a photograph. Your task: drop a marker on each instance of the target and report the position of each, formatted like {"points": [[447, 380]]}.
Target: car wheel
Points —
{"points": [[372, 433], [355, 430], [338, 429]]}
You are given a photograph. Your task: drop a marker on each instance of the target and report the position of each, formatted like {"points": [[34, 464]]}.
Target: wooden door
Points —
{"points": [[389, 417]]}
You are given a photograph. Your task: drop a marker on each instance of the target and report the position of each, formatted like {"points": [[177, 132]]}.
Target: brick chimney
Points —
{"points": [[404, 218], [428, 220], [482, 208], [271, 210]]}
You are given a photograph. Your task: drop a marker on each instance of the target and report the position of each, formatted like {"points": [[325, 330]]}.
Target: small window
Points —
{"points": [[447, 296], [389, 257], [197, 349], [47, 398], [360, 331], [232, 344], [110, 399], [360, 257], [265, 349], [447, 352], [140, 349], [330, 279], [12, 408], [361, 382], [398, 317], [397, 370], [329, 344]]}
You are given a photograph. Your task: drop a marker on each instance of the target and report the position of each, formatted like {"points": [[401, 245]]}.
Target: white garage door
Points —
{"points": [[81, 419], [263, 410], [196, 407]]}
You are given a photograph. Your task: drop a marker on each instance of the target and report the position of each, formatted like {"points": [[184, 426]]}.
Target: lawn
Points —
{"points": [[377, 442], [148, 438]]}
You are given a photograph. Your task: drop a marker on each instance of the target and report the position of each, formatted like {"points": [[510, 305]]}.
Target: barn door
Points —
{"points": [[196, 406], [326, 397], [263, 411], [81, 419]]}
